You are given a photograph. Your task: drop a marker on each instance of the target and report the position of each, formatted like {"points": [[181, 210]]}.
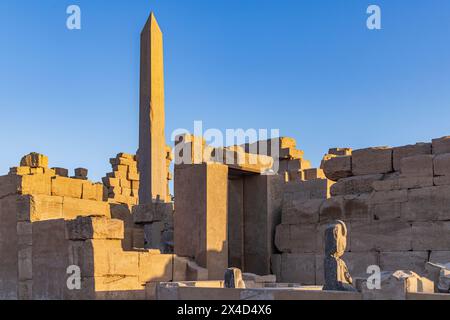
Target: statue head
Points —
{"points": [[336, 239]]}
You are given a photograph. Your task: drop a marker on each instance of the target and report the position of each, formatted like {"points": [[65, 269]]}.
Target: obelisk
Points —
{"points": [[152, 142]]}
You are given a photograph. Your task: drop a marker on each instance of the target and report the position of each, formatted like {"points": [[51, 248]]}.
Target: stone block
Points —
{"points": [[81, 172], [67, 187], [300, 212], [440, 257], [21, 171], [355, 185], [24, 234], [93, 191], [155, 267], [302, 238], [409, 260], [25, 270], [408, 151], [34, 160], [442, 164], [84, 228], [441, 145], [36, 184], [105, 257], [314, 173], [153, 212], [430, 235], [72, 208], [63, 172], [312, 189], [386, 211], [394, 196], [347, 208], [282, 238], [298, 268], [340, 151], [398, 182], [298, 164], [419, 165], [336, 168], [427, 204], [372, 161], [39, 208], [396, 285], [381, 236]]}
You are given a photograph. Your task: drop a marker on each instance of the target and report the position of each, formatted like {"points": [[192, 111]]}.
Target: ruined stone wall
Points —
{"points": [[395, 202], [50, 222]]}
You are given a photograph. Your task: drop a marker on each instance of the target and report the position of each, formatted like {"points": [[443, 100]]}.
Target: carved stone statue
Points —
{"points": [[233, 279], [337, 277]]}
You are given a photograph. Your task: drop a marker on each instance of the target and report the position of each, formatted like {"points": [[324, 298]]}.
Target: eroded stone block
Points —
{"points": [[336, 168], [372, 161]]}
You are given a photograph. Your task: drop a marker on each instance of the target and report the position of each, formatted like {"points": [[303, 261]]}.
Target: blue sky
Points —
{"points": [[310, 68]]}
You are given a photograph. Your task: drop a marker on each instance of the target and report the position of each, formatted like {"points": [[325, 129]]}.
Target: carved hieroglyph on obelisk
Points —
{"points": [[152, 142]]}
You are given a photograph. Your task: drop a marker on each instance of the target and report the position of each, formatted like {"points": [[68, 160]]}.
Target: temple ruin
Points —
{"points": [[245, 221]]}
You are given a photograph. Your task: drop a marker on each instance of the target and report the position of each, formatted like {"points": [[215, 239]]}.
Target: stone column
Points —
{"points": [[152, 145], [200, 219]]}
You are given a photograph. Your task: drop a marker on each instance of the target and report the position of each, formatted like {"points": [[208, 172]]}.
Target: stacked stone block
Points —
{"points": [[123, 182], [51, 223], [395, 202]]}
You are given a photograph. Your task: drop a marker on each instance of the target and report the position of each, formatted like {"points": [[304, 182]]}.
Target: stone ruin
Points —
{"points": [[260, 219]]}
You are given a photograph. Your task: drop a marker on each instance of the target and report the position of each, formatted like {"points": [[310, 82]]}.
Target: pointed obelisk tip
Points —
{"points": [[151, 23]]}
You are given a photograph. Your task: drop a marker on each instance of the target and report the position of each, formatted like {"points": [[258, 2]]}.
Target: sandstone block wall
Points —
{"points": [[49, 222], [395, 202]]}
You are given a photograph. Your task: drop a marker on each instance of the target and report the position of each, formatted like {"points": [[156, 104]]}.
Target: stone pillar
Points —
{"points": [[200, 219], [262, 213], [152, 145], [236, 221]]}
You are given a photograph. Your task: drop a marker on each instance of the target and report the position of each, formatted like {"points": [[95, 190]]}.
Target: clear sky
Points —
{"points": [[308, 67]]}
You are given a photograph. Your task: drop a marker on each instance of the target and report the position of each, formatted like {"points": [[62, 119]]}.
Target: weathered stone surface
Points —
{"points": [[302, 238], [430, 235], [340, 151], [67, 187], [84, 228], [282, 237], [72, 208], [381, 236], [153, 212], [372, 161], [336, 168], [410, 260], [155, 267], [81, 173], [312, 189], [396, 285], [442, 165], [386, 211], [441, 145], [93, 191], [34, 160], [299, 212], [347, 208], [36, 184], [426, 204], [408, 151], [419, 165], [39, 208], [8, 248], [21, 171], [314, 173], [201, 207], [262, 209], [298, 268], [355, 185], [394, 196], [152, 144], [63, 172], [441, 257], [398, 182]]}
